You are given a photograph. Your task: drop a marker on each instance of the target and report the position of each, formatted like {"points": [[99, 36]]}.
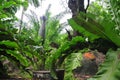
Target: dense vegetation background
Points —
{"points": [[40, 45]]}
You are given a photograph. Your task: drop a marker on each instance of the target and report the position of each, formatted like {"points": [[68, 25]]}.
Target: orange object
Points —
{"points": [[89, 55]]}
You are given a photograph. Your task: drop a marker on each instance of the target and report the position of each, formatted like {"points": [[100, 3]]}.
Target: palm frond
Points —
{"points": [[36, 3]]}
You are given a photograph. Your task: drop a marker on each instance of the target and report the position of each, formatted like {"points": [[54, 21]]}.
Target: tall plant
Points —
{"points": [[30, 37], [8, 45]]}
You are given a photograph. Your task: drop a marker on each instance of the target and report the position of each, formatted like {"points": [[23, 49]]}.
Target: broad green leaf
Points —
{"points": [[110, 69], [104, 30], [18, 56], [80, 28], [9, 44], [7, 4], [90, 25]]}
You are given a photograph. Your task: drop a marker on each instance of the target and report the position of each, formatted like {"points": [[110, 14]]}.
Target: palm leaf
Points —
{"points": [[36, 3]]}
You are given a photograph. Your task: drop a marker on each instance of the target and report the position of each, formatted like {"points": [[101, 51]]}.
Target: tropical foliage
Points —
{"points": [[95, 25], [99, 25], [23, 49], [8, 45]]}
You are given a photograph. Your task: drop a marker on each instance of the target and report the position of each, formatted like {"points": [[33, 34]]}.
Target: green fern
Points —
{"points": [[72, 62]]}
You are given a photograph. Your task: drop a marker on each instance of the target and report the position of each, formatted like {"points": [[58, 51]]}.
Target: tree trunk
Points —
{"points": [[76, 6]]}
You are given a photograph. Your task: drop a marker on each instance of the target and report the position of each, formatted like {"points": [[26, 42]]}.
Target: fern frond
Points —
{"points": [[114, 9], [72, 62]]}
